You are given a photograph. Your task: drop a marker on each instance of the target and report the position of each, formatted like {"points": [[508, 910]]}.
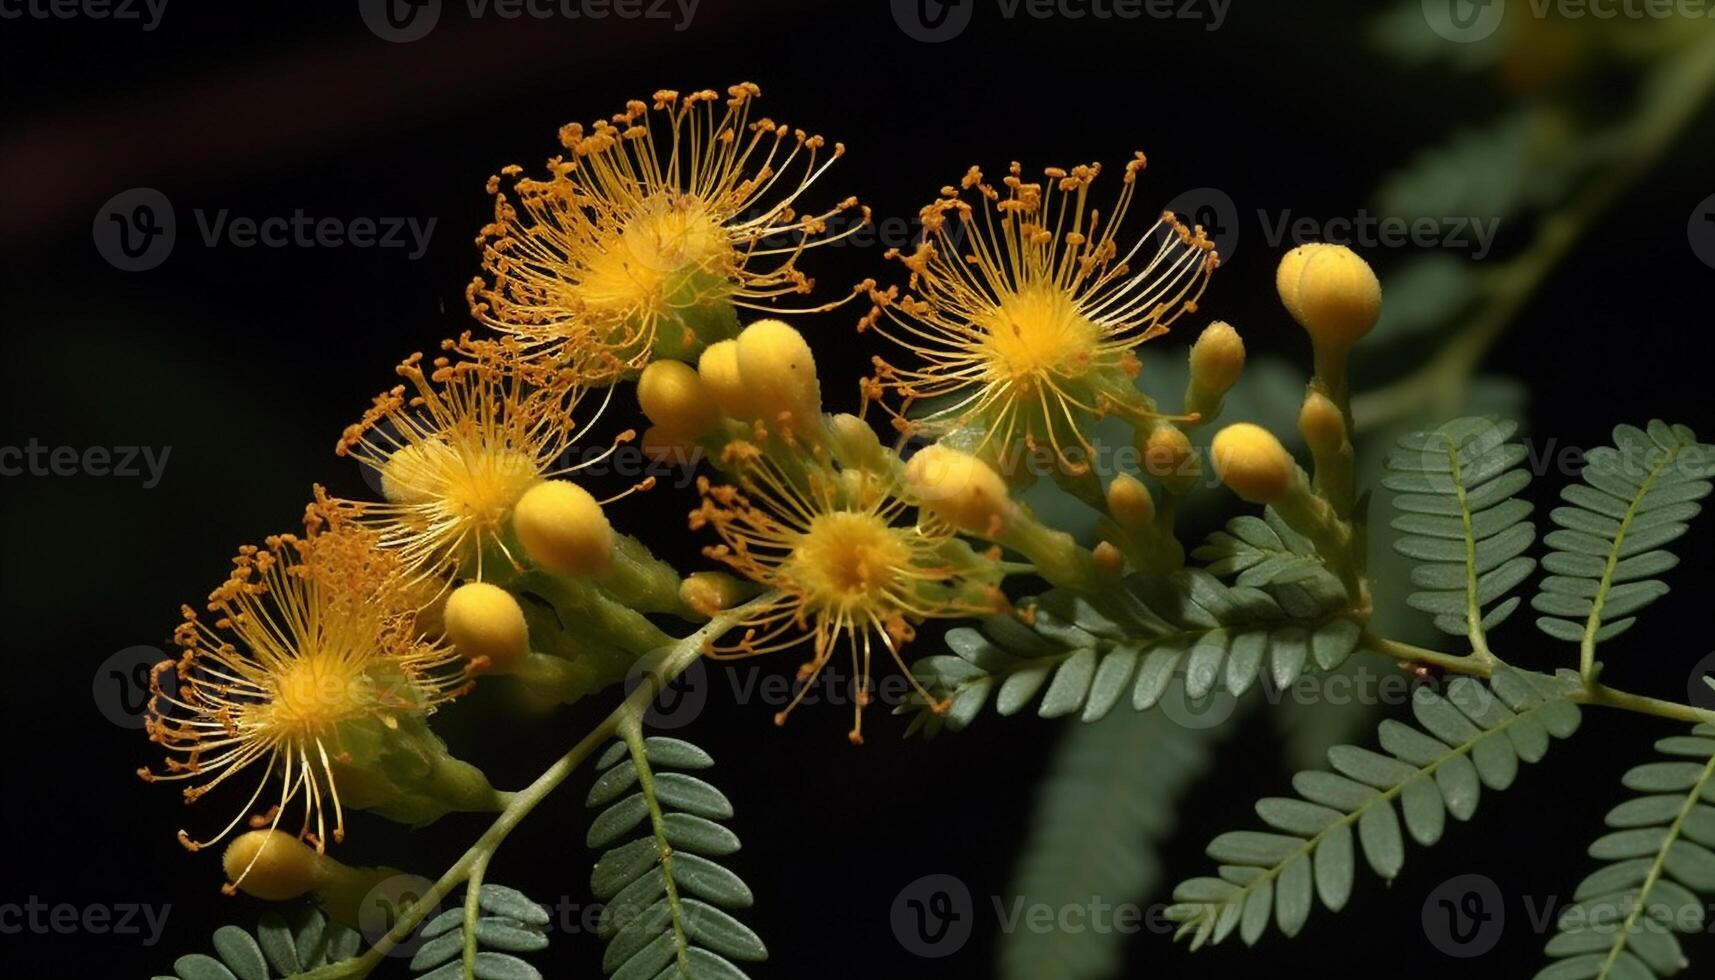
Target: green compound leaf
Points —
{"points": [[1627, 916], [282, 946], [1109, 802], [1459, 517], [1260, 551], [1184, 634], [507, 923], [1610, 550], [1472, 738], [667, 898]]}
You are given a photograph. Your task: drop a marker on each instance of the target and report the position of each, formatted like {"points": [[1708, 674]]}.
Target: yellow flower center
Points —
{"points": [[477, 483], [848, 558], [313, 693], [635, 269], [1037, 333]]}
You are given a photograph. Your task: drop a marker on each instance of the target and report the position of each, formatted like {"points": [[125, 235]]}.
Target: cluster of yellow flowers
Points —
{"points": [[630, 262]]}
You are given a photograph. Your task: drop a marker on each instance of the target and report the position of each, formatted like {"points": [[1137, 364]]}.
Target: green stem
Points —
{"points": [[1441, 383], [471, 866], [1597, 695]]}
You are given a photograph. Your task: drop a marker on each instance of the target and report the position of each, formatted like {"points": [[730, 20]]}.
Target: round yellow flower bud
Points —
{"points": [[674, 397], [1331, 292], [272, 865], [563, 529], [779, 374], [1321, 423], [1129, 502], [960, 489], [1217, 358], [708, 593], [1168, 456], [855, 443], [485, 623], [661, 446], [1253, 463], [718, 367], [1108, 558]]}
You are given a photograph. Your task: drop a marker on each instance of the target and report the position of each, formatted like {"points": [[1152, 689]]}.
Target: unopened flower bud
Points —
{"points": [[1217, 358], [1322, 425], [1253, 463], [674, 397], [272, 865], [563, 528], [779, 375], [1129, 502], [485, 622], [718, 367], [1108, 558], [960, 489], [1168, 456], [855, 444], [661, 446], [1331, 292], [707, 593]]}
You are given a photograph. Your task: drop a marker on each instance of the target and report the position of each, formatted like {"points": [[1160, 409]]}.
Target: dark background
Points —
{"points": [[248, 362]]}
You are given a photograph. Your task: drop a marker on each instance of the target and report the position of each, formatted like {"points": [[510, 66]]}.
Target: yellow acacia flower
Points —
{"points": [[844, 568], [310, 656], [642, 241], [458, 447], [1026, 307]]}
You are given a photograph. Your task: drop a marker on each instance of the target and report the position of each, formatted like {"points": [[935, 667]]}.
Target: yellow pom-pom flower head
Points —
{"points": [[657, 225], [309, 664], [458, 447], [845, 569], [1026, 308]]}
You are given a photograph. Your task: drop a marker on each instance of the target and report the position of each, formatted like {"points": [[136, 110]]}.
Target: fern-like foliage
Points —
{"points": [[1661, 853], [1260, 551], [510, 924], [280, 947], [1473, 737], [1159, 627], [1456, 488], [1609, 551], [1100, 818], [665, 893]]}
